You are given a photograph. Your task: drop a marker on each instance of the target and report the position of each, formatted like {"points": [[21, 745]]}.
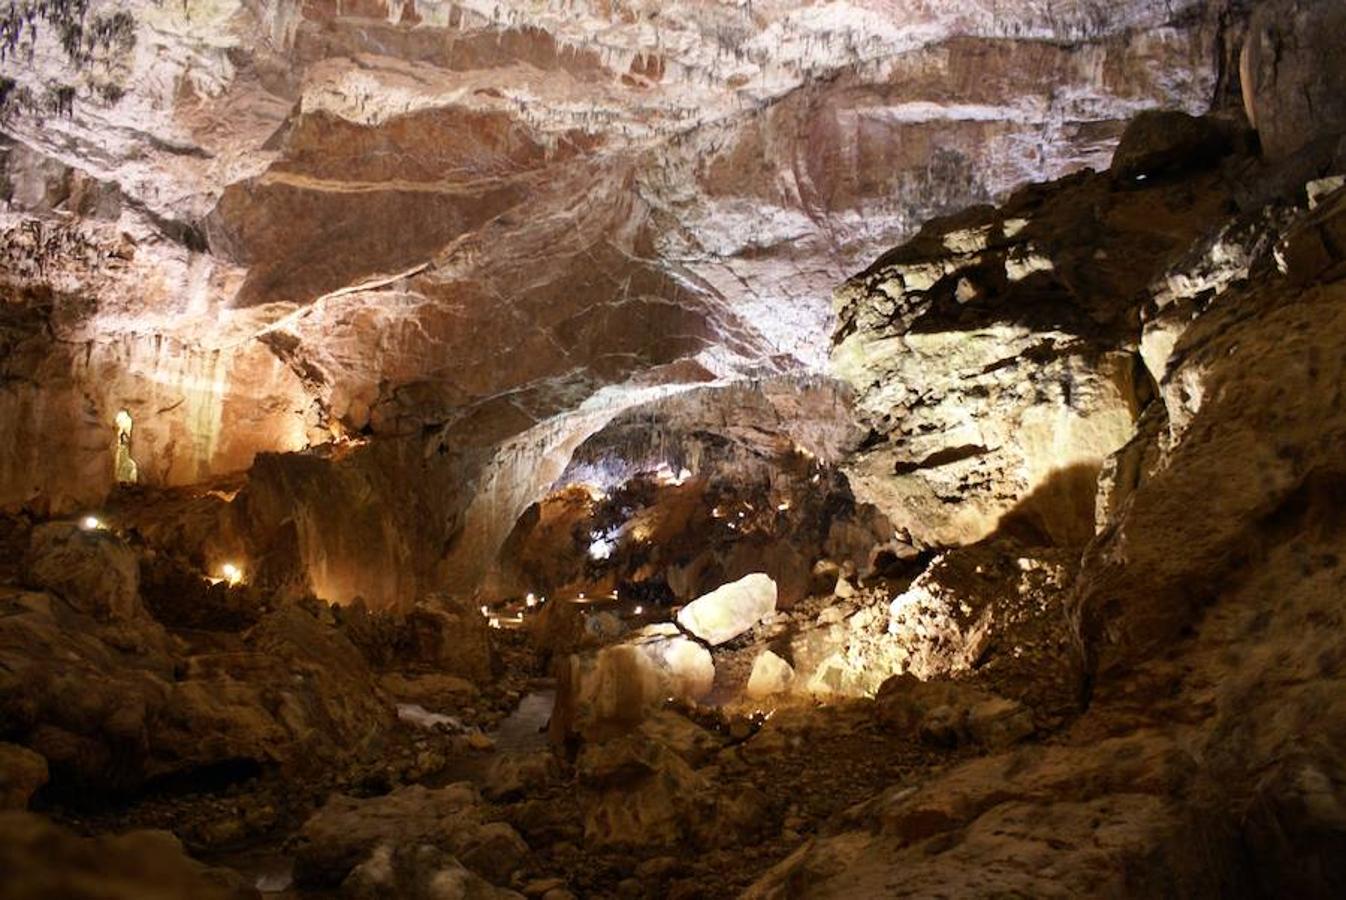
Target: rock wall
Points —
{"points": [[1204, 611], [995, 357], [262, 225]]}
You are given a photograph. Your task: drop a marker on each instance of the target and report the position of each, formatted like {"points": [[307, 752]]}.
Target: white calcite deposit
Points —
{"points": [[729, 611]]}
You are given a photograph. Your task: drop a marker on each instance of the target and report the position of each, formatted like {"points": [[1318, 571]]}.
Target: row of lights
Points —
{"points": [[531, 601]]}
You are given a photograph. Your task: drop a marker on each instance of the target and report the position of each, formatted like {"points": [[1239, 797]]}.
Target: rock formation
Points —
{"points": [[254, 229]]}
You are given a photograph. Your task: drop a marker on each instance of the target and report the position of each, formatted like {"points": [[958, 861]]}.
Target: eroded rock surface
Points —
{"points": [[257, 229], [1192, 608], [42, 860]]}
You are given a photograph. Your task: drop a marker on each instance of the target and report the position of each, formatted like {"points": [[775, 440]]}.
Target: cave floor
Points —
{"points": [[829, 760]]}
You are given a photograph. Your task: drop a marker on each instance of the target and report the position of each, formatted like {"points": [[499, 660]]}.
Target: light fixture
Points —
{"points": [[638, 610], [485, 611], [231, 573], [531, 600], [90, 523]]}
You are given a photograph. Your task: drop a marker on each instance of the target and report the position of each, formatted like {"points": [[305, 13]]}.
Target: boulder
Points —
{"points": [[770, 675], [680, 734], [416, 872], [296, 694], [1160, 142], [42, 861], [512, 775], [81, 692], [346, 831], [730, 610], [638, 793], [950, 714], [93, 570], [450, 634], [993, 385], [430, 690], [616, 687], [22, 772], [495, 851]]}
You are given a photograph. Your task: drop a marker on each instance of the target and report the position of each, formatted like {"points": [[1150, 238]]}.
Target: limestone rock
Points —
{"points": [[949, 713], [694, 744], [512, 775], [43, 861], [647, 214], [432, 691], [346, 831], [297, 694], [639, 794], [22, 772], [770, 675], [449, 635], [93, 570], [1012, 808], [1167, 142], [1203, 612], [1293, 82], [973, 433], [615, 687], [495, 851], [730, 610], [80, 692], [417, 872]]}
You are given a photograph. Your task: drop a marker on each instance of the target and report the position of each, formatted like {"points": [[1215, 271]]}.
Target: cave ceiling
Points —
{"points": [[259, 225]]}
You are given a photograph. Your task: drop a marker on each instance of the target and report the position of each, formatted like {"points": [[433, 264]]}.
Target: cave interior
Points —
{"points": [[614, 449]]}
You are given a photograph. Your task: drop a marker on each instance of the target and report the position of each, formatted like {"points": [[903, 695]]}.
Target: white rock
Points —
{"points": [[621, 684], [770, 675], [730, 610], [1321, 187], [415, 714]]}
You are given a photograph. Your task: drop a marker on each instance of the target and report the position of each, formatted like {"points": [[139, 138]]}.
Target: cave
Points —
{"points": [[613, 449]]}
